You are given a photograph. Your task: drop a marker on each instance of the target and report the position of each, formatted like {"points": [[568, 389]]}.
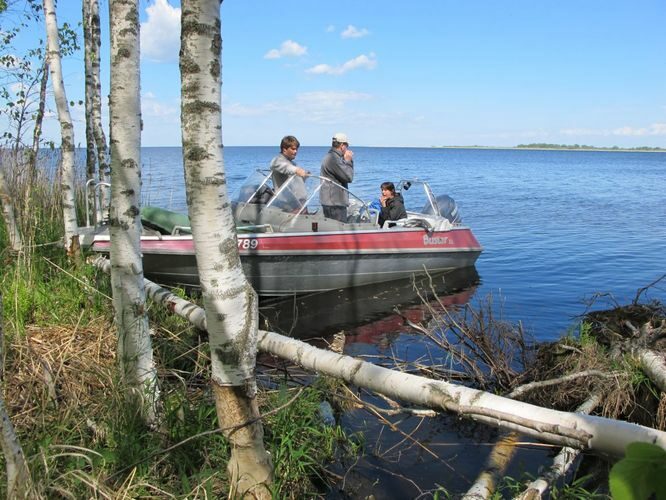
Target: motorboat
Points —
{"points": [[288, 246]]}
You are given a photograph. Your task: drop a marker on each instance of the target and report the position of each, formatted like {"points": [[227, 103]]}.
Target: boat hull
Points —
{"points": [[293, 263]]}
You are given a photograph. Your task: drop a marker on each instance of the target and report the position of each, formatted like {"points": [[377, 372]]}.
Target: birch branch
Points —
{"points": [[519, 391]]}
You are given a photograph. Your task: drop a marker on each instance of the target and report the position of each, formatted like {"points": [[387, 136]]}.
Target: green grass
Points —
{"points": [[290, 436]]}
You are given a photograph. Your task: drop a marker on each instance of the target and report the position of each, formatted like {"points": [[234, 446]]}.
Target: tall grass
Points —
{"points": [[62, 389]]}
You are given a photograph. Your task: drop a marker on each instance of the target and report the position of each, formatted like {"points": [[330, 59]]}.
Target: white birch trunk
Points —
{"points": [[654, 365], [229, 300], [550, 426], [18, 474], [91, 153], [96, 103], [66, 130], [19, 482], [129, 297], [15, 241]]}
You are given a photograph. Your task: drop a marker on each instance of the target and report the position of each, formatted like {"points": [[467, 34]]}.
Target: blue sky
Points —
{"points": [[423, 73]]}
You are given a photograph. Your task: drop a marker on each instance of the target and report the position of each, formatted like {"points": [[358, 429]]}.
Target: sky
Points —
{"points": [[419, 74]]}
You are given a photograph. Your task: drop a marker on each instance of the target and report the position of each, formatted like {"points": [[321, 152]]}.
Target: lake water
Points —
{"points": [[557, 227]]}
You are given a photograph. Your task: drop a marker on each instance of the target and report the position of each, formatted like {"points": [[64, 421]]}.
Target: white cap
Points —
{"points": [[340, 137]]}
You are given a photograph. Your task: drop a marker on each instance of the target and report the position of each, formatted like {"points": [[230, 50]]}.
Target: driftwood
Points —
{"points": [[556, 427]]}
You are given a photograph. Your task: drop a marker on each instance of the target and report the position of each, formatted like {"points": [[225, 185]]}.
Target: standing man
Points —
{"points": [[283, 166], [338, 166]]}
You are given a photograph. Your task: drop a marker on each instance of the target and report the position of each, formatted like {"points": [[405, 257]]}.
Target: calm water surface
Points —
{"points": [[557, 227]]}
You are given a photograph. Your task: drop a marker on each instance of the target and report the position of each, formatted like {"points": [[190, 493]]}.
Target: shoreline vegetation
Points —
{"points": [[564, 147]]}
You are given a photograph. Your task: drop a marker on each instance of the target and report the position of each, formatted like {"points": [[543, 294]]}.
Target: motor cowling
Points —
{"points": [[448, 208]]}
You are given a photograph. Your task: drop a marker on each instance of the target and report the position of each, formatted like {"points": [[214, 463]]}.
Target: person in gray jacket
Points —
{"points": [[338, 166], [283, 167]]}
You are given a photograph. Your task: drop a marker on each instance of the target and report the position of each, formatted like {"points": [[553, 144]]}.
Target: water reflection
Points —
{"points": [[367, 313]]}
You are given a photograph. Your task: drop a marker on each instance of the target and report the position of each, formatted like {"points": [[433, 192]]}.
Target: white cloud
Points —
{"points": [[289, 48], [353, 32], [368, 62], [152, 107], [651, 130], [160, 34], [312, 107]]}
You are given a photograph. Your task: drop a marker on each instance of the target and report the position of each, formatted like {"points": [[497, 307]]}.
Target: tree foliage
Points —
{"points": [[21, 71]]}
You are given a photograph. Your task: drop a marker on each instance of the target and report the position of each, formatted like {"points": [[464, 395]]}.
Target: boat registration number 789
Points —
{"points": [[247, 243]]}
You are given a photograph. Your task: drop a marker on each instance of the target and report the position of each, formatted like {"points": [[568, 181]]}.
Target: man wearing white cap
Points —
{"points": [[338, 166]]}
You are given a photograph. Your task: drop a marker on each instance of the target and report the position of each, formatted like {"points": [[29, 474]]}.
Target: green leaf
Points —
{"points": [[641, 473]]}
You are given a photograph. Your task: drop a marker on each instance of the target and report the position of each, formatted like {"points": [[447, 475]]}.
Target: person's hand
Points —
{"points": [[382, 200], [349, 155], [302, 172]]}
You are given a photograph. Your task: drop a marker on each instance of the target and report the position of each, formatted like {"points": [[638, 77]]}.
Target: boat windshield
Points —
{"points": [[417, 196], [297, 196]]}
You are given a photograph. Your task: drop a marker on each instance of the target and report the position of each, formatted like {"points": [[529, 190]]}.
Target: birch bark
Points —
{"points": [[15, 241], [96, 103], [19, 482], [129, 296], [91, 156], [229, 300], [37, 133], [66, 130]]}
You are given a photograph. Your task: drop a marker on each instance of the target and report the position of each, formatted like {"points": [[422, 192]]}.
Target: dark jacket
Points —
{"points": [[394, 209], [334, 167]]}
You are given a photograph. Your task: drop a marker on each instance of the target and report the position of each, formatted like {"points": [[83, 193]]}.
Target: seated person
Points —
{"points": [[393, 206]]}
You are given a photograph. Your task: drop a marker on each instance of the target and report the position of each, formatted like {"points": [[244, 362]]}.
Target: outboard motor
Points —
{"points": [[448, 208]]}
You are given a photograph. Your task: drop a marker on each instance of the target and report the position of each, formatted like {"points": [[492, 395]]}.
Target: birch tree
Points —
{"points": [[19, 482], [88, 53], [97, 141], [129, 295], [66, 130], [229, 300], [15, 241]]}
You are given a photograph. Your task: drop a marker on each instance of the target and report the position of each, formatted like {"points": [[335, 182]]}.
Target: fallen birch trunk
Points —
{"points": [[551, 426], [654, 366], [561, 463]]}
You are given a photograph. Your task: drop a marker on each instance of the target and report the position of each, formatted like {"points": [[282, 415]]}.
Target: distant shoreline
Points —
{"points": [[535, 148]]}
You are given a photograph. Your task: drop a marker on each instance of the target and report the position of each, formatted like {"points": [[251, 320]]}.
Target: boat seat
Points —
{"points": [[262, 196]]}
